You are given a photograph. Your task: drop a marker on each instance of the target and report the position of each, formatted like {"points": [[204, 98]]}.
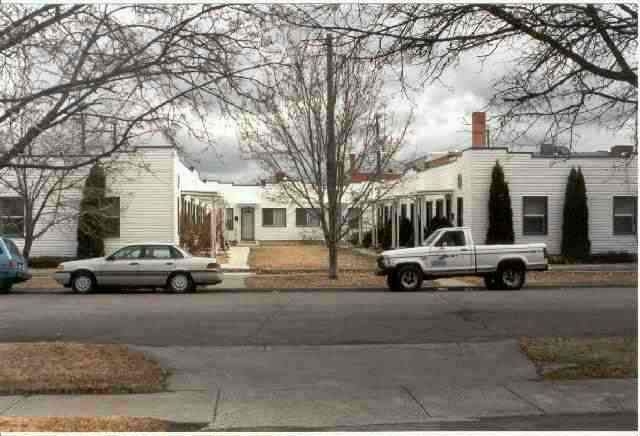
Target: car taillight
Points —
{"points": [[213, 265]]}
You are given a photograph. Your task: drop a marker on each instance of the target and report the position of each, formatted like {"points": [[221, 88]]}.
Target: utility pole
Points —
{"points": [[332, 196]]}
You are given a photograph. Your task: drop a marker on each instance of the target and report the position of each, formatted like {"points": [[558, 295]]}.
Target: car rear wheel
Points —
{"points": [[511, 277], [409, 278], [83, 283], [5, 288], [180, 283]]}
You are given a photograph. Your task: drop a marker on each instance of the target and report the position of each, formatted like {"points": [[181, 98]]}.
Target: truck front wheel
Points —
{"points": [[409, 278]]}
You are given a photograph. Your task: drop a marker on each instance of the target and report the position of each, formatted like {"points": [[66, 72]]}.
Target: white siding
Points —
{"points": [[147, 186], [535, 176]]}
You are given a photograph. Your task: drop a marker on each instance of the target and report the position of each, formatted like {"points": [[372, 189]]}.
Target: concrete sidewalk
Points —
{"points": [[315, 387]]}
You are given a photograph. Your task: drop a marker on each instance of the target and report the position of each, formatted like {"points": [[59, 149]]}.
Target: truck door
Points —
{"points": [[452, 254]]}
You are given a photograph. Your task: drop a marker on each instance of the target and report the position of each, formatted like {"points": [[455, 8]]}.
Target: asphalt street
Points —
{"points": [[221, 318]]}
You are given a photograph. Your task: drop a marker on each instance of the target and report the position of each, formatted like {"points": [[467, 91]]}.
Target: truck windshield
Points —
{"points": [[431, 239]]}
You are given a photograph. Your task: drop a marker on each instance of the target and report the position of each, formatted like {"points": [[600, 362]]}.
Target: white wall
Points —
{"points": [[535, 176], [146, 183]]}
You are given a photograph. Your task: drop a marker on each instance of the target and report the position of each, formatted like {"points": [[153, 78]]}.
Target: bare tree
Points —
{"points": [[570, 64], [123, 69], [311, 118]]}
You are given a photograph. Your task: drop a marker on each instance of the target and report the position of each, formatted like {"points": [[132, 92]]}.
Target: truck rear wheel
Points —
{"points": [[491, 282], [409, 278], [511, 276]]}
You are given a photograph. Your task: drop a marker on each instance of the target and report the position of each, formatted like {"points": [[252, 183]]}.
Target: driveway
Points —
{"points": [[315, 318]]}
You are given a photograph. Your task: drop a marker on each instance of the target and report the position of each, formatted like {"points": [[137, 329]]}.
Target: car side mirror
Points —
{"points": [[110, 258]]}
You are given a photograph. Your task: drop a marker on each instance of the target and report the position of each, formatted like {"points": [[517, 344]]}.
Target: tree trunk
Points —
{"points": [[333, 260], [332, 168]]}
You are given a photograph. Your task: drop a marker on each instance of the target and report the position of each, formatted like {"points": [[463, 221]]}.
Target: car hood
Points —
{"points": [[84, 262]]}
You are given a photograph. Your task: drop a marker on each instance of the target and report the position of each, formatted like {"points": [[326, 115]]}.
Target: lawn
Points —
{"points": [[310, 258], [92, 424], [558, 358], [58, 367]]}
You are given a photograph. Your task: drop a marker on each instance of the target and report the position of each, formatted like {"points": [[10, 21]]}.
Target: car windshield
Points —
{"points": [[13, 249], [431, 239]]}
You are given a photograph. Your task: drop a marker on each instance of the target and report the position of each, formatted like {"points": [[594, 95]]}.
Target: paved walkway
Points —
{"points": [[332, 386], [238, 259]]}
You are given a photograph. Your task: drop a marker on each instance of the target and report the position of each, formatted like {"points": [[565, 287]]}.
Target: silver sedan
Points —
{"points": [[147, 265]]}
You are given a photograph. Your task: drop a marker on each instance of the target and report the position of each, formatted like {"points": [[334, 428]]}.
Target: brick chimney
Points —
{"points": [[478, 130]]}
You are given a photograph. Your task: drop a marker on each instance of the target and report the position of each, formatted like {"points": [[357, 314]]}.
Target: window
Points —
{"points": [[112, 217], [534, 215], [274, 217], [624, 215], [429, 213], [228, 218], [452, 239], [158, 252], [12, 216], [403, 210], [459, 212], [353, 218], [130, 252], [13, 248], [307, 217]]}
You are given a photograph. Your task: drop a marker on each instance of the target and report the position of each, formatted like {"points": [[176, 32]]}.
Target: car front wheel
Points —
{"points": [[5, 288], [83, 283]]}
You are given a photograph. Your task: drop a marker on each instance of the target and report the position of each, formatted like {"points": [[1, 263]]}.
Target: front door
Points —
{"points": [[121, 269], [247, 224], [452, 254]]}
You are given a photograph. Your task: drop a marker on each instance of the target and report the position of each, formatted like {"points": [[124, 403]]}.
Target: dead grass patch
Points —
{"points": [[81, 424], [558, 358], [315, 281], [305, 258], [58, 367]]}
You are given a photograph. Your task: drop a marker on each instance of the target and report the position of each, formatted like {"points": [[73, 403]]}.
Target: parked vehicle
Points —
{"points": [[13, 266], [450, 252], [146, 265]]}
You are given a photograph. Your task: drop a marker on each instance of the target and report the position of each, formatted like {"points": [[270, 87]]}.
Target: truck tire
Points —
{"points": [[392, 281], [491, 282], [409, 278], [511, 276]]}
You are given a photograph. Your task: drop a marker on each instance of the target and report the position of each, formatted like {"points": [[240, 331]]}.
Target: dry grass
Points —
{"points": [[58, 367], [79, 424], [315, 281], [38, 282], [572, 279], [578, 358], [307, 258]]}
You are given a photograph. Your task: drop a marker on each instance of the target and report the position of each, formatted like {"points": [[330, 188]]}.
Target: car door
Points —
{"points": [[121, 268], [156, 264], [451, 254]]}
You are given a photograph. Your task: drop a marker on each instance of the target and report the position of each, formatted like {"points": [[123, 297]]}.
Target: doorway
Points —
{"points": [[247, 227]]}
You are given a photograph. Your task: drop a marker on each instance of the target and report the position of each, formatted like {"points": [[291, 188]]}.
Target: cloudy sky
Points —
{"points": [[441, 113]]}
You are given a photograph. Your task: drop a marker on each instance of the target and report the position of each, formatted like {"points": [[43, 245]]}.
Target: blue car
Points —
{"points": [[13, 267]]}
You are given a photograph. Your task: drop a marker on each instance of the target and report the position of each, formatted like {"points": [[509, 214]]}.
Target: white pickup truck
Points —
{"points": [[450, 252]]}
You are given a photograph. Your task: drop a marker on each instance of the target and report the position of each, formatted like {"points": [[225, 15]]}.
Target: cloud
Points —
{"points": [[441, 114]]}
